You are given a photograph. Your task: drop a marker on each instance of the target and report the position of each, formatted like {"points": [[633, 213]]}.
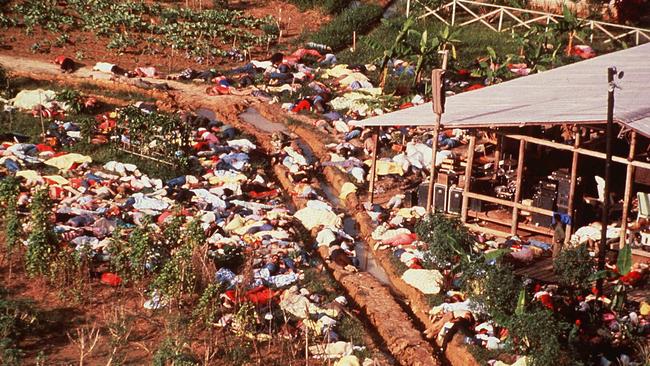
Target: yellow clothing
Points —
{"points": [[30, 175], [346, 190], [65, 162], [386, 167]]}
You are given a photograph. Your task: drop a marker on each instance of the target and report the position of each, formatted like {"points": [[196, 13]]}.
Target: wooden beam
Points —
{"points": [[468, 176], [432, 169], [497, 151], [486, 230], [629, 174], [572, 186], [520, 173], [373, 168], [511, 204], [592, 153]]}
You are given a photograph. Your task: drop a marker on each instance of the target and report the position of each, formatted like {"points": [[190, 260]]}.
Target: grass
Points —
{"points": [[328, 6], [338, 33]]}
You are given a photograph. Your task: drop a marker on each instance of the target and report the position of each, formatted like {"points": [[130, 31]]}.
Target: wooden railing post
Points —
{"points": [[468, 177], [629, 174], [520, 173]]}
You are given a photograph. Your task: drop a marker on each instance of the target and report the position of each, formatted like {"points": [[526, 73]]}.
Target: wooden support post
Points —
{"points": [[520, 173], [373, 167], [497, 153], [468, 177], [629, 174], [572, 186], [432, 169]]}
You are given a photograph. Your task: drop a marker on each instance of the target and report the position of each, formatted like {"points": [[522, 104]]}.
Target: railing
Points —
{"points": [[500, 18]]}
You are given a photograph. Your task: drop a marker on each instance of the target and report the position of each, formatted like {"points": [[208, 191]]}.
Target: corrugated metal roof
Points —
{"points": [[575, 93]]}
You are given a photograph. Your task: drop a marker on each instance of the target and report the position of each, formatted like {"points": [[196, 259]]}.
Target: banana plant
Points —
{"points": [[571, 25], [395, 50], [492, 68]]}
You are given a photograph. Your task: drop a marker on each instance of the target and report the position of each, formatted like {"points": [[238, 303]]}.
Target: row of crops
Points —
{"points": [[145, 27]]}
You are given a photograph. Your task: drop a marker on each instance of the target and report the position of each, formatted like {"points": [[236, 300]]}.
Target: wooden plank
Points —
{"points": [[468, 176], [592, 153], [510, 204], [373, 168], [520, 174], [572, 186], [629, 175]]}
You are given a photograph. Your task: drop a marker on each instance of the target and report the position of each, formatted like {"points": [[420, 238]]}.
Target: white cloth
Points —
{"points": [[206, 196], [104, 67], [425, 280]]}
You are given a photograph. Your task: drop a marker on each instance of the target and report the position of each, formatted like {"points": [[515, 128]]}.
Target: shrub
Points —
{"points": [[538, 334], [338, 33], [178, 275], [72, 98], [41, 240], [448, 239], [495, 288], [9, 191], [67, 273], [574, 267]]}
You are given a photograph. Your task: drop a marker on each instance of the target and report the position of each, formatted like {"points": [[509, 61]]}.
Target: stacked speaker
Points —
{"points": [[552, 193]]}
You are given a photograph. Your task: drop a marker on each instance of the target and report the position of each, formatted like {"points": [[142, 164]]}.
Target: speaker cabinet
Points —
{"points": [[423, 192], [440, 197], [455, 201]]}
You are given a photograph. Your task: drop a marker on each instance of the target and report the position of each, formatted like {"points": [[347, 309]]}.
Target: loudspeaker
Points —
{"points": [[410, 198], [546, 201], [423, 192], [455, 201], [440, 197]]}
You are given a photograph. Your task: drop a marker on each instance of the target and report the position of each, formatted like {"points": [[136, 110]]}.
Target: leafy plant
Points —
{"points": [[495, 288], [449, 241], [9, 191], [492, 68], [72, 98], [41, 242], [538, 335], [68, 272], [178, 275], [206, 311], [574, 267]]}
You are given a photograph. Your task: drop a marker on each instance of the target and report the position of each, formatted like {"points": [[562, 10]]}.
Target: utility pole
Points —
{"points": [[438, 103], [611, 72]]}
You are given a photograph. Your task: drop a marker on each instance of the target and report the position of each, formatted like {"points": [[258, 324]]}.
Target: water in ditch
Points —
{"points": [[366, 258], [253, 117]]}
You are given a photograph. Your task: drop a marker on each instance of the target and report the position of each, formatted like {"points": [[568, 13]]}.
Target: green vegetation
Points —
{"points": [[471, 43], [9, 191], [41, 242], [338, 33], [574, 267], [449, 241], [329, 6], [144, 27], [18, 318]]}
